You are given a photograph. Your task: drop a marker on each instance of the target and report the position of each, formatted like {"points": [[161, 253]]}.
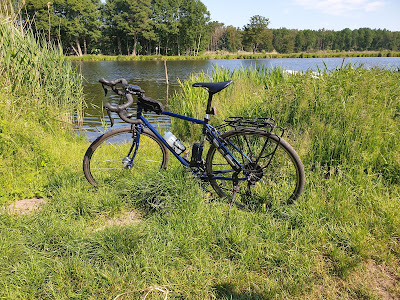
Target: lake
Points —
{"points": [[150, 76]]}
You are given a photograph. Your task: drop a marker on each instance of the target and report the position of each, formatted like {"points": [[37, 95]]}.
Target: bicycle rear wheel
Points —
{"points": [[105, 160], [273, 172]]}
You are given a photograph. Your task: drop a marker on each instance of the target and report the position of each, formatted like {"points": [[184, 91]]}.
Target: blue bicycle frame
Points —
{"points": [[208, 130]]}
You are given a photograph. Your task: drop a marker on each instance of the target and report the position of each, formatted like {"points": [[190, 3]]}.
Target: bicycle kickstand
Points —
{"points": [[235, 189]]}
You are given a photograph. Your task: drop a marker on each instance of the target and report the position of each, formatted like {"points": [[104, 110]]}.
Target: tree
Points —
{"points": [[344, 39], [311, 39], [130, 21], [73, 22], [233, 39], [193, 27], [327, 39], [365, 38], [300, 42], [256, 33], [180, 24], [224, 38], [218, 31], [284, 40], [166, 21]]}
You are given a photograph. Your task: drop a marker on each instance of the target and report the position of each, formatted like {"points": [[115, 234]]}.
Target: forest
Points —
{"points": [[178, 27]]}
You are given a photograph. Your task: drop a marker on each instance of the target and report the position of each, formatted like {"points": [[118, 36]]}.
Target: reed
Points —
{"points": [[339, 240], [36, 73], [248, 89], [342, 118], [40, 95], [6, 8]]}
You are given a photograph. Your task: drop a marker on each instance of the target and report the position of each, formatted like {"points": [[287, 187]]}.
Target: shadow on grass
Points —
{"points": [[227, 291]]}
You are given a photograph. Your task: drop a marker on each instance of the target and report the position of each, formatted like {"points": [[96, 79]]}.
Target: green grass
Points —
{"points": [[325, 245], [340, 240], [36, 74], [196, 249], [40, 94], [347, 118], [31, 154]]}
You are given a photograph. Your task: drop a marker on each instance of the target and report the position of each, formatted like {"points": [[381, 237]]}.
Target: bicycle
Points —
{"points": [[250, 164]]}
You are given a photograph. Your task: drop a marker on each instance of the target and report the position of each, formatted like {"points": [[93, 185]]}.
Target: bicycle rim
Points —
{"points": [[273, 175], [105, 160]]}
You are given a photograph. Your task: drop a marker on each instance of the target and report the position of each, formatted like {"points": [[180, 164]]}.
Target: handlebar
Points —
{"points": [[112, 84], [128, 90]]}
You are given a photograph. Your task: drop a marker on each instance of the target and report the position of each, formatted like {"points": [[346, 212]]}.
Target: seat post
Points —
{"points": [[209, 110]]}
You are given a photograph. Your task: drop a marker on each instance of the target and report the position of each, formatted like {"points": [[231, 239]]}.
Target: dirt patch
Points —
{"points": [[25, 206], [382, 279], [369, 280], [126, 218]]}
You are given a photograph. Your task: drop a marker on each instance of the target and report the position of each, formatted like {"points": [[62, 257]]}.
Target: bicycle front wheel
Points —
{"points": [[105, 161], [272, 174]]}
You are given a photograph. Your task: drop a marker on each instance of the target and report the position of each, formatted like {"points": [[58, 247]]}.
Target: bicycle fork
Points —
{"points": [[127, 161]]}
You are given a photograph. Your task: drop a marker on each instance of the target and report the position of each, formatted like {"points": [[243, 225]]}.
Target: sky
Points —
{"points": [[309, 14]]}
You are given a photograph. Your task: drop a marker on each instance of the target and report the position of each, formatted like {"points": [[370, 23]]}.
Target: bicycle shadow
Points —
{"points": [[227, 291]]}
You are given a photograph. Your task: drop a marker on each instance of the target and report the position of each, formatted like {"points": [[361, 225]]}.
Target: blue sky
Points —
{"points": [[309, 14]]}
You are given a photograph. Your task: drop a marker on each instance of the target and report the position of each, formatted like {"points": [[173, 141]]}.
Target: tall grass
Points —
{"points": [[343, 118], [36, 73], [6, 8], [340, 240], [248, 89], [40, 93]]}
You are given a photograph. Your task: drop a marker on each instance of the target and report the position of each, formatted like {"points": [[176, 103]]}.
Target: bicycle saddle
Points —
{"points": [[213, 87]]}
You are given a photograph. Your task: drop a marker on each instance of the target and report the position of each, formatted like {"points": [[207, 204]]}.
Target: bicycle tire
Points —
{"points": [[103, 160], [277, 176]]}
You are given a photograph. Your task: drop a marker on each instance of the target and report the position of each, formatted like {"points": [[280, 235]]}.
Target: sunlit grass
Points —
{"points": [[339, 240], [37, 74], [40, 93], [346, 118], [110, 162]]}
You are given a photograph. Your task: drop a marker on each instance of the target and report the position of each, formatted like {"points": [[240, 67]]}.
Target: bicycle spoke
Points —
{"points": [[272, 176], [109, 161]]}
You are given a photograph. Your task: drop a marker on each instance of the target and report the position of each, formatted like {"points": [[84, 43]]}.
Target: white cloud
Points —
{"points": [[374, 5], [341, 7]]}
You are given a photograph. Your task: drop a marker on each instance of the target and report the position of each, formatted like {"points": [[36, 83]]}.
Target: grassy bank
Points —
{"points": [[40, 94], [340, 240], [159, 237], [234, 56]]}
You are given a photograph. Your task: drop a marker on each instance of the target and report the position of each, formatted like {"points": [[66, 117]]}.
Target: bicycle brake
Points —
{"points": [[105, 89], [111, 118]]}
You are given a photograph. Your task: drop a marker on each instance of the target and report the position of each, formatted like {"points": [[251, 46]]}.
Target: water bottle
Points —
{"points": [[174, 142]]}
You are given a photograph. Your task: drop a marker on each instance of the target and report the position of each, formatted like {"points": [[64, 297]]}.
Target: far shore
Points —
{"points": [[205, 56]]}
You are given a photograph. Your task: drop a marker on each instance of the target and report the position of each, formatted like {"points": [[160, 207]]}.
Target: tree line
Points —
{"points": [[179, 27]]}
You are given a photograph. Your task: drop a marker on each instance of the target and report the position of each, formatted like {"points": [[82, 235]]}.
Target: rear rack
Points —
{"points": [[267, 124]]}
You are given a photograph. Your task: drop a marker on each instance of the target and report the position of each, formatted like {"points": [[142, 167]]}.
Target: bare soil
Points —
{"points": [[370, 280], [382, 280], [126, 218], [25, 206]]}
